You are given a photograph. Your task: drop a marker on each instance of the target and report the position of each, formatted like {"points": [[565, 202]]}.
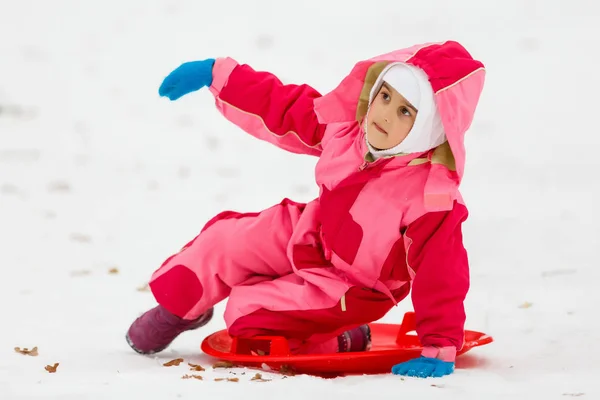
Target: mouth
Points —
{"points": [[380, 129]]}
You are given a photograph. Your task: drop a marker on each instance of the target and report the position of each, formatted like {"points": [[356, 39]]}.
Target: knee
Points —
{"points": [[178, 290]]}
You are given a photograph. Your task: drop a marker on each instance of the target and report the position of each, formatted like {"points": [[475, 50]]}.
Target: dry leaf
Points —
{"points": [[526, 305], [174, 362], [83, 272], [59, 186], [199, 377], [51, 368], [228, 379], [258, 377], [287, 370], [145, 288], [113, 271], [223, 364], [26, 352], [80, 237], [49, 214], [152, 185], [195, 367]]}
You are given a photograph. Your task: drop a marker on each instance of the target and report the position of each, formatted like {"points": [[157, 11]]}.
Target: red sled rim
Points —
{"points": [[391, 344]]}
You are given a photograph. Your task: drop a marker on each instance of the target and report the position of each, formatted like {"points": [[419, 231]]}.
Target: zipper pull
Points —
{"points": [[364, 165]]}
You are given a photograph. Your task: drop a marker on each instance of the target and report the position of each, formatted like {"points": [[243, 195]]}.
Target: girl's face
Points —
{"points": [[390, 118]]}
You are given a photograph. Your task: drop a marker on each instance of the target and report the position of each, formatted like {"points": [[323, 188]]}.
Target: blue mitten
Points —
{"points": [[424, 367], [186, 78]]}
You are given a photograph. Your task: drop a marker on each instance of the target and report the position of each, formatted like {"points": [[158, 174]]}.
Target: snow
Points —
{"points": [[98, 172]]}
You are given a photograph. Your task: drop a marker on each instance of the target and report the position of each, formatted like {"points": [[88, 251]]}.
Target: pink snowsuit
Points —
{"points": [[311, 271]]}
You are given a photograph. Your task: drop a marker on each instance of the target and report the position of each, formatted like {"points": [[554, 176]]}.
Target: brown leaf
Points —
{"points": [[526, 305], [227, 379], [59, 186], [144, 288], [199, 377], [223, 364], [82, 272], [195, 367], [26, 352], [174, 362], [152, 185], [51, 368], [258, 377], [113, 271], [287, 370], [80, 237]]}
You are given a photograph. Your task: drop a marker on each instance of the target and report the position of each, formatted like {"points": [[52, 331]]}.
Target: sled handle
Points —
{"points": [[276, 345], [409, 324]]}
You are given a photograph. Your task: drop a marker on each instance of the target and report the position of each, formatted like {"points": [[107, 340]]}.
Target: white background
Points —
{"points": [[98, 172]]}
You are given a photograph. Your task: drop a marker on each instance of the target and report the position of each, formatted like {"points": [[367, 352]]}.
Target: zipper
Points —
{"points": [[366, 164]]}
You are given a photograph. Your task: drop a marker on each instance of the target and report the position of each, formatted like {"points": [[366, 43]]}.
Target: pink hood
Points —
{"points": [[457, 80]]}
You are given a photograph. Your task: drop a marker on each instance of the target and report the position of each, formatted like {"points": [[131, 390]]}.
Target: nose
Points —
{"points": [[387, 116]]}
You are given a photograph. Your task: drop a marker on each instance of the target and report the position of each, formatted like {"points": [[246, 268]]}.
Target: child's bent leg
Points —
{"points": [[322, 330], [233, 249]]}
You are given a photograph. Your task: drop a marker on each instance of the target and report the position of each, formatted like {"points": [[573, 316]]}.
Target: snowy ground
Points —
{"points": [[97, 172]]}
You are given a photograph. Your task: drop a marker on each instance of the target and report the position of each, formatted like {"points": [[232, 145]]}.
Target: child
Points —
{"points": [[391, 157]]}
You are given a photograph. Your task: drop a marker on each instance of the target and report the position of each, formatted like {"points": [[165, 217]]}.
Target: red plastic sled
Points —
{"points": [[391, 344]]}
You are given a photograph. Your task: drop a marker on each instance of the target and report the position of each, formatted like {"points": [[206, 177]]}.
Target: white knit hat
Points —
{"points": [[412, 83], [401, 78]]}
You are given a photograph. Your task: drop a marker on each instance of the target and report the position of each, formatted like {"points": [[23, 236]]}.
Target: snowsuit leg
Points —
{"points": [[312, 331], [233, 249]]}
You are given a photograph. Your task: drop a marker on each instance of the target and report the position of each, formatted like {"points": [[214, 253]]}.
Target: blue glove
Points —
{"points": [[424, 367], [186, 78]]}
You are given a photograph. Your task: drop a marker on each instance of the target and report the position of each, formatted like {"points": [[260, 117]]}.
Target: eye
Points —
{"points": [[385, 96], [405, 111]]}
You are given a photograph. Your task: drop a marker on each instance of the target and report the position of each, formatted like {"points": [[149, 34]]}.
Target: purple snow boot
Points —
{"points": [[157, 328], [357, 339]]}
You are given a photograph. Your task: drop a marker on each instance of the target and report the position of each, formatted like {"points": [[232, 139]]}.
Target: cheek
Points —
{"points": [[402, 130], [373, 109], [411, 123]]}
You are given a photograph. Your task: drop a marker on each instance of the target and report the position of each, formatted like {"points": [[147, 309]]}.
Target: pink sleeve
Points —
{"points": [[439, 259], [264, 107]]}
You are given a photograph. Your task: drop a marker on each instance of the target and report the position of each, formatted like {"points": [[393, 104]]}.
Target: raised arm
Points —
{"points": [[260, 104]]}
